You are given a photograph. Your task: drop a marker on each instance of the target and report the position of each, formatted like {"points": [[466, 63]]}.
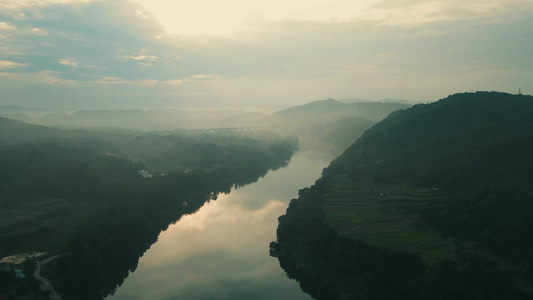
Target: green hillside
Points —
{"points": [[460, 136], [18, 130], [432, 202]]}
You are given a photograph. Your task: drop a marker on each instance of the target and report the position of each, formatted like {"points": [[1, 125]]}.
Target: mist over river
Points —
{"points": [[222, 251]]}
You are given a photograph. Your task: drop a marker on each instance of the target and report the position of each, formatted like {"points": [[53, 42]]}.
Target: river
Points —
{"points": [[222, 251]]}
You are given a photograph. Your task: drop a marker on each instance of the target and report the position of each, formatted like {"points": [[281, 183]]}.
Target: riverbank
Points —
{"points": [[221, 251], [433, 202]]}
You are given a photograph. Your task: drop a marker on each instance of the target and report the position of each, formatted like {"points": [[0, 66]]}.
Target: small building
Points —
{"points": [[5, 267], [145, 174], [19, 273]]}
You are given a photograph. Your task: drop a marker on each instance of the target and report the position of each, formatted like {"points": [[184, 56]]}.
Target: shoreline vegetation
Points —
{"points": [[91, 192], [84, 197], [433, 202]]}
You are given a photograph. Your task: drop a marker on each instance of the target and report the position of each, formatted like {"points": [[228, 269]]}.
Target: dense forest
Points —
{"points": [[456, 172], [102, 200]]}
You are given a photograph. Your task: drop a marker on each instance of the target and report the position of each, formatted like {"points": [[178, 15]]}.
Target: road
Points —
{"points": [[45, 283]]}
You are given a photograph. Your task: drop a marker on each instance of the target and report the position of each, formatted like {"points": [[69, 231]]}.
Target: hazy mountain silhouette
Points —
{"points": [[145, 120], [330, 110], [15, 129], [328, 125]]}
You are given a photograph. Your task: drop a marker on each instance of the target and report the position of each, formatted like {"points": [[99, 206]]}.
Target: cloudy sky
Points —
{"points": [[79, 54]]}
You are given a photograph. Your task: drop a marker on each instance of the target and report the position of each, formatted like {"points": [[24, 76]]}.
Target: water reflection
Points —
{"points": [[221, 252]]}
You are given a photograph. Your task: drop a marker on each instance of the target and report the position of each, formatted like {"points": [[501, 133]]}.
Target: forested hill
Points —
{"points": [[14, 129], [455, 144], [433, 202]]}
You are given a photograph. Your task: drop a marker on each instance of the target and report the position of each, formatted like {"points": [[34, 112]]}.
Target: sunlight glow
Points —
{"points": [[231, 17], [226, 18]]}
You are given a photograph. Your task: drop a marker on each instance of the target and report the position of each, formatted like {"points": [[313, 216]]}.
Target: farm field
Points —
{"points": [[42, 225], [386, 216]]}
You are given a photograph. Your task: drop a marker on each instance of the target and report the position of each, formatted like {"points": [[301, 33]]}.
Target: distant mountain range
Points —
{"points": [[321, 111], [15, 129], [351, 100], [315, 112], [134, 119], [19, 109], [328, 123]]}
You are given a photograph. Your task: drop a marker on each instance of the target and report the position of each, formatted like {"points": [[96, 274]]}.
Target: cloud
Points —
{"points": [[231, 18], [144, 57], [91, 32], [9, 4], [67, 62], [38, 31], [385, 49], [422, 12], [48, 77], [175, 82], [142, 13], [196, 77], [204, 76], [4, 64], [5, 26], [11, 29], [146, 82], [121, 81], [111, 80]]}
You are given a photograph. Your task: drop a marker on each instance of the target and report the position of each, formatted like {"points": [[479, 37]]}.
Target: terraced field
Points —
{"points": [[385, 216], [42, 225]]}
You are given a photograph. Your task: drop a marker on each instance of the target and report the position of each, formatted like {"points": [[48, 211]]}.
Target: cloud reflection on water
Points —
{"points": [[221, 252]]}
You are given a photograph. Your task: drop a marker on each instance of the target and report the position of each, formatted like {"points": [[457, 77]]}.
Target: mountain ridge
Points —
{"points": [[425, 196]]}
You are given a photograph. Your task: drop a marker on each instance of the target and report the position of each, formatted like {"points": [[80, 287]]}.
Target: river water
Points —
{"points": [[221, 251]]}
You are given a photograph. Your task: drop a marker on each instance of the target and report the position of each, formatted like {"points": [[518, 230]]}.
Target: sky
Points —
{"points": [[258, 55]]}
